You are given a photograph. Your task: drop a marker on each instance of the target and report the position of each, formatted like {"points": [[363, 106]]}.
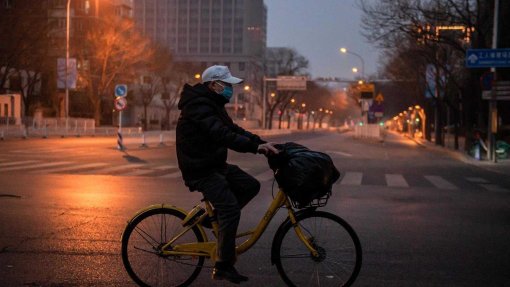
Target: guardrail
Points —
{"points": [[369, 131]]}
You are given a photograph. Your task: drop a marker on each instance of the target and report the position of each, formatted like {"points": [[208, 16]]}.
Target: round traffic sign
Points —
{"points": [[120, 104], [121, 90]]}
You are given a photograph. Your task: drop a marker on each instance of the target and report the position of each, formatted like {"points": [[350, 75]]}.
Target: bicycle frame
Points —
{"points": [[208, 248]]}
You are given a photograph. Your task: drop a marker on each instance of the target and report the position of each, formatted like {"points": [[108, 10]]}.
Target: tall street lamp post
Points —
{"points": [[68, 17], [345, 51]]}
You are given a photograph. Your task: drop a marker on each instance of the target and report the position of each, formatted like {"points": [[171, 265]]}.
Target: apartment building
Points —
{"points": [[207, 32]]}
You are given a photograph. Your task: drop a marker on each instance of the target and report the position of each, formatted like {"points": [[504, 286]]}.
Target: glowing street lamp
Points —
{"points": [[345, 51]]}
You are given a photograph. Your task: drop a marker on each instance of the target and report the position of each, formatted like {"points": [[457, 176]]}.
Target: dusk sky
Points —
{"points": [[317, 29]]}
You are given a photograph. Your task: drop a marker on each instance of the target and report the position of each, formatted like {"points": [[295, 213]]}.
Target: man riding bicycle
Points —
{"points": [[204, 133]]}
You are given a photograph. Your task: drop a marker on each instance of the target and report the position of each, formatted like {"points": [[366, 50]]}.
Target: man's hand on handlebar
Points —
{"points": [[267, 149]]}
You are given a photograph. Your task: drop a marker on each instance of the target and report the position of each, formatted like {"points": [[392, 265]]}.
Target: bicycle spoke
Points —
{"points": [[306, 255], [137, 229], [330, 236], [147, 251]]}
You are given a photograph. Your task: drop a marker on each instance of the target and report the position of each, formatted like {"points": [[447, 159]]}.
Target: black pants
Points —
{"points": [[228, 191]]}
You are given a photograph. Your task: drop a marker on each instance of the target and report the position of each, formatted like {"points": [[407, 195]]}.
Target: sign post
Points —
{"points": [[120, 104]]}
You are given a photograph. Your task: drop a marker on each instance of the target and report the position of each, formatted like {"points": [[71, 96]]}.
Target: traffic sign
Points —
{"points": [[291, 83], [500, 92], [121, 90], [120, 103], [486, 58]]}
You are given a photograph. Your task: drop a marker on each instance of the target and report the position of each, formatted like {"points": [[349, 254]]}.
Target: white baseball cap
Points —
{"points": [[219, 73]]}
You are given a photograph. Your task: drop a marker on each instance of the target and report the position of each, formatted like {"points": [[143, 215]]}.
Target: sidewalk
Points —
{"points": [[501, 166]]}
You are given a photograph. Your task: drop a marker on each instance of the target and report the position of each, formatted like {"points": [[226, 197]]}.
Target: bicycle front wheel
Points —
{"points": [[339, 259], [141, 249]]}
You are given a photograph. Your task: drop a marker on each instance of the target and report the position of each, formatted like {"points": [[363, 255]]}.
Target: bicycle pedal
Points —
{"points": [[193, 215]]}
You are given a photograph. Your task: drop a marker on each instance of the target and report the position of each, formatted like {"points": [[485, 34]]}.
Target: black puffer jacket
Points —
{"points": [[205, 132]]}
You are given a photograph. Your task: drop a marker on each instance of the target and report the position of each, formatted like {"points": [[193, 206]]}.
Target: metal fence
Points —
{"points": [[45, 127]]}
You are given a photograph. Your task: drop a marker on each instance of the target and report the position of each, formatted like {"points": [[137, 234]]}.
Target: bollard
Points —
{"points": [[24, 133], [161, 140], [120, 145], [143, 145]]}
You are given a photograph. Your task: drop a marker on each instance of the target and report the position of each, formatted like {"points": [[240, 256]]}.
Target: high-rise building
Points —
{"points": [[207, 32]]}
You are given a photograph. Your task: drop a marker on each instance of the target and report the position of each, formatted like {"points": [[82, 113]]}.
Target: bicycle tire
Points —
{"points": [[336, 242], [140, 249]]}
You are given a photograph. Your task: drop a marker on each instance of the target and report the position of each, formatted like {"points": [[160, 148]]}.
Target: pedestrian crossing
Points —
{"points": [[168, 171]]}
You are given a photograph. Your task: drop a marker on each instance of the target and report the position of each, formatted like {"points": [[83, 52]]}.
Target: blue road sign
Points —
{"points": [[121, 90], [486, 58]]}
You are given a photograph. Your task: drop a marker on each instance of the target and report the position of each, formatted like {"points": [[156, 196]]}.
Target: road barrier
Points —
{"points": [[369, 131]]}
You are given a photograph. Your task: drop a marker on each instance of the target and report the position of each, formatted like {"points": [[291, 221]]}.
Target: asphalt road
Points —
{"points": [[423, 218]]}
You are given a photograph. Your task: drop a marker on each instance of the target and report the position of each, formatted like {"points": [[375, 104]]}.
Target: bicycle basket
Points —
{"points": [[317, 202], [304, 175]]}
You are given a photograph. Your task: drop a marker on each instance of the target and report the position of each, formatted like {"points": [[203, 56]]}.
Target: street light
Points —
{"points": [[345, 51], [68, 18], [354, 69]]}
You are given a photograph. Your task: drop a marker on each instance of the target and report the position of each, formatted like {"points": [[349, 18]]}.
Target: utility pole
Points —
{"points": [[493, 106]]}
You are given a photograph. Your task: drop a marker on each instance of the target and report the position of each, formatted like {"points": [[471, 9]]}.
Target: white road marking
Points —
{"points": [[34, 166], [340, 153], [352, 178], [396, 180], [11, 163], [440, 182], [176, 174], [476, 180], [71, 168], [164, 167], [266, 175], [494, 187], [138, 172], [111, 169]]}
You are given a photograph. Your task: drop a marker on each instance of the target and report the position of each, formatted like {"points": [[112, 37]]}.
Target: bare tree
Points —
{"points": [[23, 47], [288, 62], [414, 29], [114, 52]]}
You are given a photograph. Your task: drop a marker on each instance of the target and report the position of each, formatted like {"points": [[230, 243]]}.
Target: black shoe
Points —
{"points": [[228, 273]]}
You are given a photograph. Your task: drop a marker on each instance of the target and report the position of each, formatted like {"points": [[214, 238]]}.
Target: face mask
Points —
{"points": [[228, 92]]}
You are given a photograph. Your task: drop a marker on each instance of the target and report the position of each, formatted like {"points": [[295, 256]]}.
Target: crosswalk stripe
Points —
{"points": [[112, 169], [266, 175], [440, 182], [396, 180], [476, 180], [494, 187], [176, 174], [165, 167], [352, 178], [33, 166], [71, 168], [16, 163], [138, 172]]}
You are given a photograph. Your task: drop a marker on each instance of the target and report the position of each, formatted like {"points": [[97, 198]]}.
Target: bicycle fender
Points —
{"points": [[166, 206], [156, 206], [280, 232]]}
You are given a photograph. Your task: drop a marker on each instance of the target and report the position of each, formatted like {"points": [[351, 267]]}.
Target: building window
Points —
{"points": [[8, 4]]}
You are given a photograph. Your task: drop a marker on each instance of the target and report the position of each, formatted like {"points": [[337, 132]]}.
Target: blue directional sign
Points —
{"points": [[486, 58], [121, 90]]}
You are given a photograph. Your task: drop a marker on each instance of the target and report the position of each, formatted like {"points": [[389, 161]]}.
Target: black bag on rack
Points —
{"points": [[303, 174]]}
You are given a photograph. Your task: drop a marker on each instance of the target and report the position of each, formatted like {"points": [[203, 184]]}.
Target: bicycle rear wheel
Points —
{"points": [[141, 249], [339, 260]]}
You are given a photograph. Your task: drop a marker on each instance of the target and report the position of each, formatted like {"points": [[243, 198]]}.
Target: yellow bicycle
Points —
{"points": [[163, 245]]}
